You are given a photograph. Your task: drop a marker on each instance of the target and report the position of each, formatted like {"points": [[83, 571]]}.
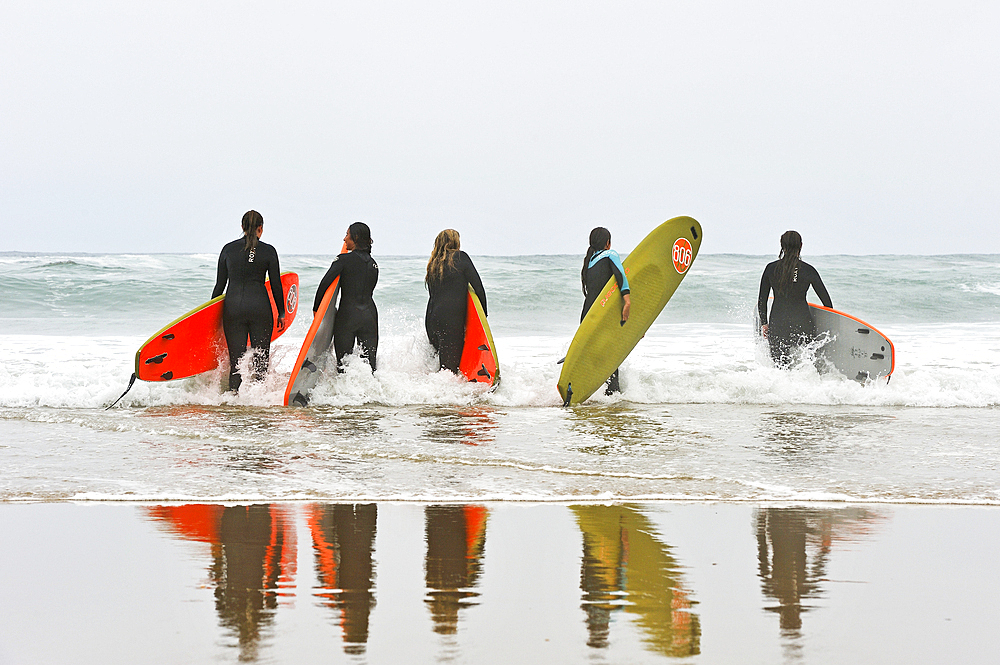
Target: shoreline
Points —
{"points": [[817, 503]]}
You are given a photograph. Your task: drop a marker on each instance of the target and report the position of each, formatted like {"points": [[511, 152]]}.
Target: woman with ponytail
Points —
{"points": [[600, 264], [791, 324], [357, 316], [450, 272], [246, 313]]}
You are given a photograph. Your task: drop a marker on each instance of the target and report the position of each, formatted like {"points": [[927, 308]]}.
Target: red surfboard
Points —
{"points": [[479, 361], [195, 343], [315, 348]]}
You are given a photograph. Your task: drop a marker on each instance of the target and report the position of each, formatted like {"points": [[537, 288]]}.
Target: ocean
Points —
{"points": [[702, 416]]}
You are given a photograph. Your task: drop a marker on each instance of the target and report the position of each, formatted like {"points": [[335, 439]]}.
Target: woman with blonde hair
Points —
{"points": [[450, 272]]}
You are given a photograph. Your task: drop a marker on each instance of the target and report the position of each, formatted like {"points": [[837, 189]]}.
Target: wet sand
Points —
{"points": [[498, 583]]}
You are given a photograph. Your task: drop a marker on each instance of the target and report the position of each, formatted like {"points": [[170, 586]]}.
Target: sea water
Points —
{"points": [[702, 414]]}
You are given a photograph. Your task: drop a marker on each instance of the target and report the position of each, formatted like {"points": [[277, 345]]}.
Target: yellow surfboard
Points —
{"points": [[655, 269]]}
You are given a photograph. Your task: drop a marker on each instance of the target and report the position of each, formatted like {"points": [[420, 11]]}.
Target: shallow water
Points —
{"points": [[475, 453], [702, 415]]}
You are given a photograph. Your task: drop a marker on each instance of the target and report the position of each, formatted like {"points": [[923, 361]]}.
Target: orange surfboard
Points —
{"points": [[315, 348], [195, 343], [479, 361]]}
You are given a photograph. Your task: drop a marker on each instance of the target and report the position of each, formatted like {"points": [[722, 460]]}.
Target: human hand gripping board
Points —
{"points": [[315, 351], [655, 269], [479, 363]]}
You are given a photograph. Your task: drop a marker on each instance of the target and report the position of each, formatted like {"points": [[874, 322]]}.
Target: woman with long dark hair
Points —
{"points": [[791, 324], [450, 272], [244, 265], [357, 316], [599, 265]]}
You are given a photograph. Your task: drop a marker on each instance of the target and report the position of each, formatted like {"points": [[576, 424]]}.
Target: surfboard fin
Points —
{"points": [[483, 371], [561, 360], [569, 394], [300, 400], [168, 336], [309, 365], [483, 347], [130, 382]]}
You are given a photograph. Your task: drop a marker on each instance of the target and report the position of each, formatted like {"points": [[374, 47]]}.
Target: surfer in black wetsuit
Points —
{"points": [[791, 324], [244, 264], [599, 265], [449, 273], [357, 316]]}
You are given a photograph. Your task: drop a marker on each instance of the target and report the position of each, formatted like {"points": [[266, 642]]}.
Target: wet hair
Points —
{"points": [[361, 235], [446, 246], [788, 260], [599, 239], [252, 221]]}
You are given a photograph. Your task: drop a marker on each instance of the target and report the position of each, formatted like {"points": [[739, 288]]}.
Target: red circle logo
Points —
{"points": [[292, 301], [682, 255]]}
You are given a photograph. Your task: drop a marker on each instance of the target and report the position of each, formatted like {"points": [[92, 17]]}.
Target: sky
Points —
{"points": [[870, 127]]}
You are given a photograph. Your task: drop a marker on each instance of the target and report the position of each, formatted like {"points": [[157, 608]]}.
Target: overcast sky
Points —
{"points": [[870, 127]]}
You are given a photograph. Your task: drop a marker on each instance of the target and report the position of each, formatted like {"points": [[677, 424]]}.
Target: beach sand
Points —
{"points": [[498, 583]]}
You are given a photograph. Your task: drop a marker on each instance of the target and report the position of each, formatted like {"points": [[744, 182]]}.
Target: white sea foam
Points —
{"points": [[943, 365]]}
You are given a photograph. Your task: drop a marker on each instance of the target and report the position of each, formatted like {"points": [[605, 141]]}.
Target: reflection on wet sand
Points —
{"points": [[456, 540], [343, 540], [253, 553], [793, 549], [626, 569]]}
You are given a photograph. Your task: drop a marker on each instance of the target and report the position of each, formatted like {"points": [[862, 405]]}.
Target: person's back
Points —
{"points": [[601, 267], [790, 303], [359, 276], [246, 274], [452, 288]]}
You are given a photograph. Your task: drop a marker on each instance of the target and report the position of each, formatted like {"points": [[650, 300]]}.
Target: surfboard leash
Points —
{"points": [[130, 382]]}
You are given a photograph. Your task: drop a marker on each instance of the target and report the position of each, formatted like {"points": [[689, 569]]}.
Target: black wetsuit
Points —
{"points": [[791, 323], [247, 309], [357, 316], [601, 267], [447, 309]]}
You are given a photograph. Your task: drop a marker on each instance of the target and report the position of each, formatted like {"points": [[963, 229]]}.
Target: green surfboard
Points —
{"points": [[654, 269]]}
